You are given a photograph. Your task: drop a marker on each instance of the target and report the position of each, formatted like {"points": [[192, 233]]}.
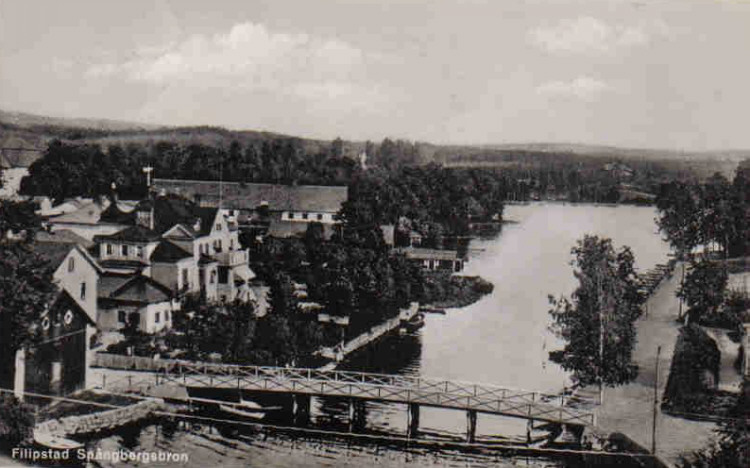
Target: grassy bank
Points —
{"points": [[443, 290]]}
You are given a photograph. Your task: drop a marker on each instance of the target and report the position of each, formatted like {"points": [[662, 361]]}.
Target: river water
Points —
{"points": [[501, 339]]}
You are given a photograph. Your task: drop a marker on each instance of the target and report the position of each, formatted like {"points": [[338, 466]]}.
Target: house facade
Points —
{"points": [[136, 301], [433, 259], [186, 248]]}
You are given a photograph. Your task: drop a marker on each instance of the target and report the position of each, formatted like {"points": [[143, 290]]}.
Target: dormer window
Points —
{"points": [[218, 226]]}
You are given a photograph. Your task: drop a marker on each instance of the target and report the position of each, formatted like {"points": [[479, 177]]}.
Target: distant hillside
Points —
{"points": [[22, 130], [33, 121]]}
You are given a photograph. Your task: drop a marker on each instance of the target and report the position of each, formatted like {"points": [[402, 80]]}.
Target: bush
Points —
{"points": [[16, 422], [695, 355]]}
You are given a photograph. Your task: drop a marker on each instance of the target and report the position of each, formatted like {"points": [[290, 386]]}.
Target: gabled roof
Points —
{"points": [[238, 195], [64, 301], [135, 233], [88, 213], [62, 236], [171, 209], [167, 252], [136, 289], [55, 253]]}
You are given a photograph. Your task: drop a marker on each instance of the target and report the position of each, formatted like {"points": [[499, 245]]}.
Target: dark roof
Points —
{"points": [[113, 214], [53, 252], [62, 236], [133, 234], [133, 289], [133, 265], [63, 301], [167, 252], [171, 209], [237, 195]]}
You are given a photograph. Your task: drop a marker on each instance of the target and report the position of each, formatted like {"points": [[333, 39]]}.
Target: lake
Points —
{"points": [[502, 339]]}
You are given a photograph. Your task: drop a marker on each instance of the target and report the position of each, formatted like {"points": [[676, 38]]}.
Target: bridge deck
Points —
{"points": [[441, 393]]}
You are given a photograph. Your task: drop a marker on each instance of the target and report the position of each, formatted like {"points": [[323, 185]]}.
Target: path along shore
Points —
{"points": [[629, 408]]}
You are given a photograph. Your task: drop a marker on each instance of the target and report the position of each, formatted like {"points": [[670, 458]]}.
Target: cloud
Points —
{"points": [[250, 57], [589, 35], [583, 87]]}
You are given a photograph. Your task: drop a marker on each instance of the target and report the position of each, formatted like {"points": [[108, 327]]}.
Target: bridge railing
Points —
{"points": [[444, 386]]}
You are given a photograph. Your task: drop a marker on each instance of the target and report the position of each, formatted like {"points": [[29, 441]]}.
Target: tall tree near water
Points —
{"points": [[26, 288], [597, 321]]}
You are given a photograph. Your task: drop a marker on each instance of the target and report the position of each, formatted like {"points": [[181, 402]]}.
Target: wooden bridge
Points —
{"points": [[357, 387]]}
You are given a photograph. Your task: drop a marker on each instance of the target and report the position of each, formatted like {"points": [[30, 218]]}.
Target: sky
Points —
{"points": [[671, 74]]}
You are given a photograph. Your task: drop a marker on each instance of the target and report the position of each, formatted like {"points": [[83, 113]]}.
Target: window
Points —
{"points": [[83, 291], [125, 251], [157, 317], [184, 278], [71, 264], [291, 215], [139, 251], [122, 317], [218, 226], [166, 316], [108, 248], [304, 215], [212, 278], [223, 275], [320, 217]]}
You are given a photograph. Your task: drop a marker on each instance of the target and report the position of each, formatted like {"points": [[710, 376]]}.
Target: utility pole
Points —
{"points": [[656, 401]]}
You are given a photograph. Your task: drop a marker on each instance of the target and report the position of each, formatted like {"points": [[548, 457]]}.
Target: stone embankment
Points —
{"points": [[100, 421]]}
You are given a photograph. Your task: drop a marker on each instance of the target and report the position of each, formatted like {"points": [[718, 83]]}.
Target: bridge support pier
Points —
{"points": [[412, 430], [301, 409], [471, 426], [357, 415]]}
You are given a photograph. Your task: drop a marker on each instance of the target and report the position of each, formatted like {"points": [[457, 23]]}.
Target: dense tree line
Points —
{"points": [[68, 170], [713, 213], [432, 199], [704, 223], [351, 276]]}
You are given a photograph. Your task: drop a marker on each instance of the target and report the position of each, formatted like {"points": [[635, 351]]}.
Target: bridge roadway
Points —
{"points": [[413, 391]]}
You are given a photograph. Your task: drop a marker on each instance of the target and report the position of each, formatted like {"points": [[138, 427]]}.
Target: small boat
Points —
{"points": [[233, 410], [55, 442], [414, 323], [247, 409], [432, 310]]}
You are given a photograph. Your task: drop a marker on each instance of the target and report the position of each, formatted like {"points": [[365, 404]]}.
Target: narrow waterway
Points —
{"points": [[502, 339]]}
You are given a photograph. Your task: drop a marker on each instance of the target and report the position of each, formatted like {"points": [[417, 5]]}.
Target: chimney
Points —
{"points": [[113, 193], [144, 215]]}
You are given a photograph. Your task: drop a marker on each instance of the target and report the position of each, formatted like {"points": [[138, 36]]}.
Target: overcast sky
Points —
{"points": [[647, 73]]}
